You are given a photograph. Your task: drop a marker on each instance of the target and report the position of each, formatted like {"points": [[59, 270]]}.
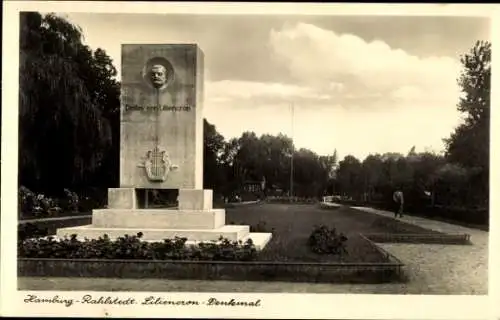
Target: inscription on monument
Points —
{"points": [[150, 108]]}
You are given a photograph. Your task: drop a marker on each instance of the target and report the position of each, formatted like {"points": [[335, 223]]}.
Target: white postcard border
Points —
{"points": [[283, 305]]}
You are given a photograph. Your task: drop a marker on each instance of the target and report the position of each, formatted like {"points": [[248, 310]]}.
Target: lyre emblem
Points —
{"points": [[157, 164]]}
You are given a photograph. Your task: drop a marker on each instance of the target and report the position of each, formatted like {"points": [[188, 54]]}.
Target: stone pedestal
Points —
{"points": [[194, 219]]}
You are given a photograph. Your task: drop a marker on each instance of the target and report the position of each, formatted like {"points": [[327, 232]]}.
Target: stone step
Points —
{"points": [[159, 218], [231, 232]]}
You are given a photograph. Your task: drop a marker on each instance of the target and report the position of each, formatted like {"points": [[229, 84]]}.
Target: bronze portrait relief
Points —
{"points": [[158, 73]]}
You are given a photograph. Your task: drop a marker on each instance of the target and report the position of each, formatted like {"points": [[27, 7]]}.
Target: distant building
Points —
{"points": [[251, 190], [276, 191], [252, 186]]}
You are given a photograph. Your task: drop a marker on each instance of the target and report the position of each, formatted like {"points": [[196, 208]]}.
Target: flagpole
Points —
{"points": [[293, 151]]}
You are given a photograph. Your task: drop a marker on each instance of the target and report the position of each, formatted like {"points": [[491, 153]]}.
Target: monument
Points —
{"points": [[161, 147]]}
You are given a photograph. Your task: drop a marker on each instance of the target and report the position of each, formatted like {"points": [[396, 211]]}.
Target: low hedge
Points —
{"points": [[215, 270]]}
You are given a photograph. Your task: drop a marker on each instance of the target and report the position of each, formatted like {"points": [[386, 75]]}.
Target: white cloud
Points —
{"points": [[359, 97], [318, 55], [250, 90]]}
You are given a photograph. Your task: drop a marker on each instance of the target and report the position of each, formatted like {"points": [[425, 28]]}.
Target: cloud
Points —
{"points": [[356, 96], [237, 90], [316, 56]]}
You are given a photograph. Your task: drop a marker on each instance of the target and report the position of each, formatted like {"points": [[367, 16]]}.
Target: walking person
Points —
{"points": [[398, 199]]}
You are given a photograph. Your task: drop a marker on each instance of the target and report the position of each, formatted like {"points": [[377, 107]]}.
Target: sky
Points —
{"points": [[357, 84]]}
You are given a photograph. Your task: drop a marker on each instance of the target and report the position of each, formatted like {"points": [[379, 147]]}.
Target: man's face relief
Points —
{"points": [[158, 76]]}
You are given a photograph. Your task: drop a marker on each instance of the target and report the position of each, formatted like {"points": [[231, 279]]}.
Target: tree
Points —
{"points": [[329, 165], [349, 177], [276, 157], [468, 145], [452, 184], [67, 106], [309, 174], [372, 173], [214, 175]]}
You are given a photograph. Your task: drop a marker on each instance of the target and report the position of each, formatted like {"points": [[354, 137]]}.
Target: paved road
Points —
{"points": [[434, 269]]}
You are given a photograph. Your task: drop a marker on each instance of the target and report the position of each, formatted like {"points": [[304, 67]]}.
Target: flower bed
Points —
{"points": [[133, 248], [34, 205]]}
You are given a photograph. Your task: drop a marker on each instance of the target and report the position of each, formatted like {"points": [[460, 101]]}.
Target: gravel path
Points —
{"points": [[442, 269]]}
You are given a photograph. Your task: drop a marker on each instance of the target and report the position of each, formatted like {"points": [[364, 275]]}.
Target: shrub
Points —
{"points": [[132, 247], [72, 200], [324, 240], [35, 205], [25, 200], [38, 205]]}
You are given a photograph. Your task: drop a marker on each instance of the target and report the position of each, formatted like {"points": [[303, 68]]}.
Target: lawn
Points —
{"points": [[293, 224], [62, 214]]}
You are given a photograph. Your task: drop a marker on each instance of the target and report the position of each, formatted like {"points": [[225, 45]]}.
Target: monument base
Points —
{"points": [[195, 219]]}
